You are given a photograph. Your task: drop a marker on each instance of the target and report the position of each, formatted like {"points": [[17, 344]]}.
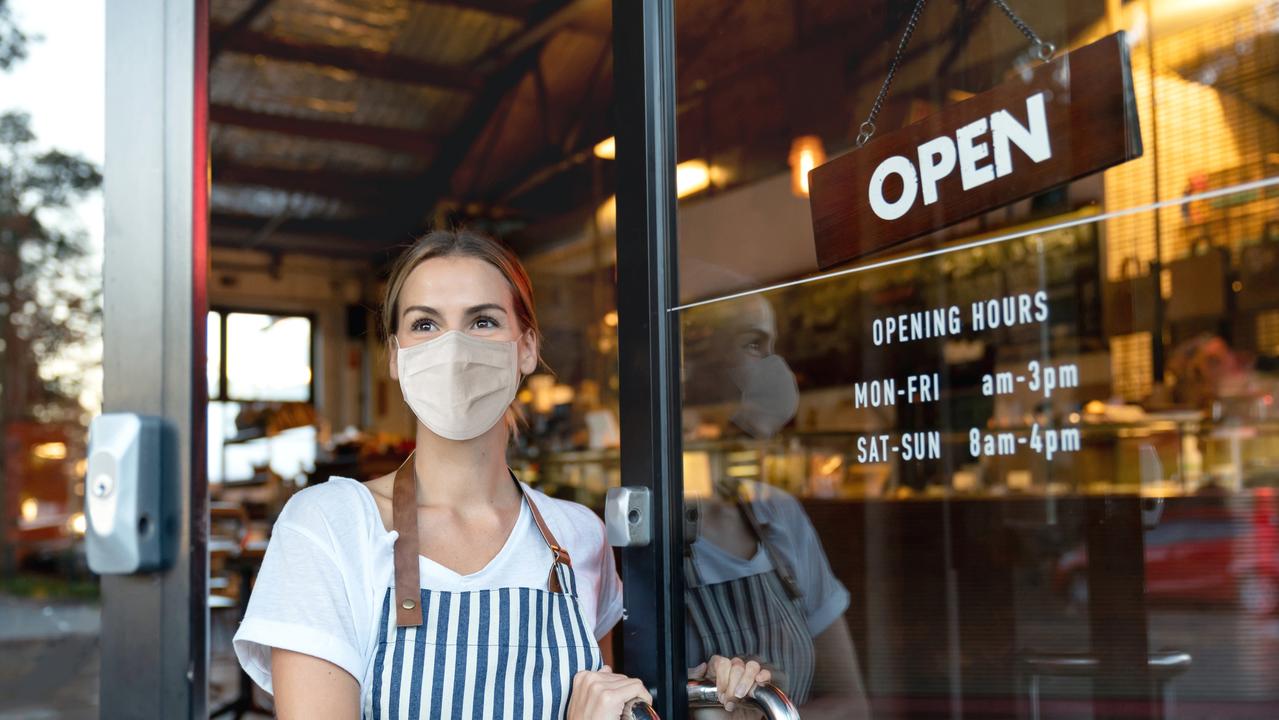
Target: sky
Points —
{"points": [[61, 85]]}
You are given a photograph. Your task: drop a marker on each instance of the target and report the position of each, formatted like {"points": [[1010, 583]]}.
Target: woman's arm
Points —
{"points": [[308, 687], [837, 680]]}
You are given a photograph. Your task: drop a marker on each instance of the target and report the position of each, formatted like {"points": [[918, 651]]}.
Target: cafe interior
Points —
{"points": [[340, 130]]}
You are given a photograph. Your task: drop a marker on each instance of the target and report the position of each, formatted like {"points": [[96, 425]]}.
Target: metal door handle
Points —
{"points": [[768, 699]]}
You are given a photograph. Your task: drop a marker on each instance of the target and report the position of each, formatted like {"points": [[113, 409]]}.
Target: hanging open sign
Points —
{"points": [[1058, 122]]}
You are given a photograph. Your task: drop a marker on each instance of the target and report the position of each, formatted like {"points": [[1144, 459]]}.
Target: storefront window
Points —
{"points": [[50, 356], [264, 422], [1026, 463]]}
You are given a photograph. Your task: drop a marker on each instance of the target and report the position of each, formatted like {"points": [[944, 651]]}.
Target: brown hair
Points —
{"points": [[460, 243]]}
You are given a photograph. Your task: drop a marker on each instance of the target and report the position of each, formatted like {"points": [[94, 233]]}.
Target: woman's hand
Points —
{"points": [[735, 680], [604, 694]]}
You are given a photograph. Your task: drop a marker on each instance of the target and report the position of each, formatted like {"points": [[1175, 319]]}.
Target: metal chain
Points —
{"points": [[868, 128], [1043, 51]]}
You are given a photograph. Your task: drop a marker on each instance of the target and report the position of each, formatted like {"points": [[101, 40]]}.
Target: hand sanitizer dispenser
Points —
{"points": [[128, 529]]}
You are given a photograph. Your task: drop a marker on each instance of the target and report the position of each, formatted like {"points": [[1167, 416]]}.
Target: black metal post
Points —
{"points": [[648, 342]]}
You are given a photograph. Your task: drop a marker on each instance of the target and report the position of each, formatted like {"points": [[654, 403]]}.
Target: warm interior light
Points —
{"points": [[606, 149], [541, 386], [77, 523], [606, 216], [51, 451], [30, 509], [692, 176], [610, 318], [806, 153], [562, 394]]}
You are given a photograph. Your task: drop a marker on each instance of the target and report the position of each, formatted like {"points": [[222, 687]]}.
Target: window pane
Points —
{"points": [[51, 234], [289, 453], [268, 357], [1026, 465], [213, 349]]}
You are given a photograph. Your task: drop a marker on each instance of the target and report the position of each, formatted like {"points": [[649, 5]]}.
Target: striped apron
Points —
{"points": [[756, 617], [501, 653]]}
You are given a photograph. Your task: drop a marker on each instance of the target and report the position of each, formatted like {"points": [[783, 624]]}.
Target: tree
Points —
{"points": [[13, 43], [50, 297]]}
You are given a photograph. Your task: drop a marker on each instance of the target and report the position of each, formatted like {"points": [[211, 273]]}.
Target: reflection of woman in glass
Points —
{"points": [[751, 545]]}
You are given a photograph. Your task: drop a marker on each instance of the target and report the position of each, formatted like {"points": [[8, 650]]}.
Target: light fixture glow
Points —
{"points": [[606, 149], [691, 176], [610, 318], [30, 509], [77, 523], [50, 451], [806, 153]]}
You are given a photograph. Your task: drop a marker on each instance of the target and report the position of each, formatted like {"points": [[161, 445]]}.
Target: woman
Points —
{"points": [[749, 544], [447, 588]]}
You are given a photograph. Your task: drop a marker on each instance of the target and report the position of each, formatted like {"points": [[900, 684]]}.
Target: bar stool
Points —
{"points": [[1164, 666]]}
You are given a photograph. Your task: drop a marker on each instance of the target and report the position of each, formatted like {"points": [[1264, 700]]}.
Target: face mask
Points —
{"points": [[459, 386], [770, 395]]}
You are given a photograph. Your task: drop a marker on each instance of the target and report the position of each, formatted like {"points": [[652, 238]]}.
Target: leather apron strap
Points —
{"points": [[408, 582]]}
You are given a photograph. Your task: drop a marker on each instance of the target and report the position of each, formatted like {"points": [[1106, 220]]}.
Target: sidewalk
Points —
{"points": [[48, 659]]}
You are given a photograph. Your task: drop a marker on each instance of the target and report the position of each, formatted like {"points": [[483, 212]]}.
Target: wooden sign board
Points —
{"points": [[1057, 122]]}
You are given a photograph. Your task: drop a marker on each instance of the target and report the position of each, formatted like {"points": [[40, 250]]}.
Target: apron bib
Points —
{"points": [[758, 616], [500, 653]]}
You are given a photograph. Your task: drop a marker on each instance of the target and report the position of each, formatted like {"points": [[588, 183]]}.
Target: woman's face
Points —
{"points": [[459, 293]]}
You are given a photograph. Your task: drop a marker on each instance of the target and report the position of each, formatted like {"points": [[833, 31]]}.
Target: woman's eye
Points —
{"points": [[485, 323], [423, 325]]}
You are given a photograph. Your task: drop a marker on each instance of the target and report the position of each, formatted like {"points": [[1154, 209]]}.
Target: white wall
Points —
{"points": [[250, 280]]}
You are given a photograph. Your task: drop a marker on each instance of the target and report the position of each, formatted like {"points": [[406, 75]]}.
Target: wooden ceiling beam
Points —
{"points": [[496, 8], [351, 227], [353, 187], [505, 67], [367, 63], [412, 142], [218, 38]]}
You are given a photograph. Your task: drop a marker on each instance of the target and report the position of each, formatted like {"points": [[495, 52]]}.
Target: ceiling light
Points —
{"points": [[806, 153], [606, 149], [692, 176]]}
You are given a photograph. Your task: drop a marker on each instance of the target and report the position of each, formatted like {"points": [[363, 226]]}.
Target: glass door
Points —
{"points": [[1022, 465]]}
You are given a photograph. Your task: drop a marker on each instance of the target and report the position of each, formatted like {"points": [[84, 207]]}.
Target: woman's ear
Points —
{"points": [[528, 353], [392, 358]]}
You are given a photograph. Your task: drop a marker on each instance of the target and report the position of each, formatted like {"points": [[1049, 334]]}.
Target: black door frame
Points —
{"points": [[648, 342]]}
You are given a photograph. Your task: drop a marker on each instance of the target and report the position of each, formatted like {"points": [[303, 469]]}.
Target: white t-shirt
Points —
{"points": [[795, 540], [330, 561]]}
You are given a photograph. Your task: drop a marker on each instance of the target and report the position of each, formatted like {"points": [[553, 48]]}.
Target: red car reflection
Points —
{"points": [[1207, 555]]}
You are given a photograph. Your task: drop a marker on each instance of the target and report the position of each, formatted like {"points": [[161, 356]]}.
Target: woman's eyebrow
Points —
{"points": [[420, 308], [486, 307]]}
